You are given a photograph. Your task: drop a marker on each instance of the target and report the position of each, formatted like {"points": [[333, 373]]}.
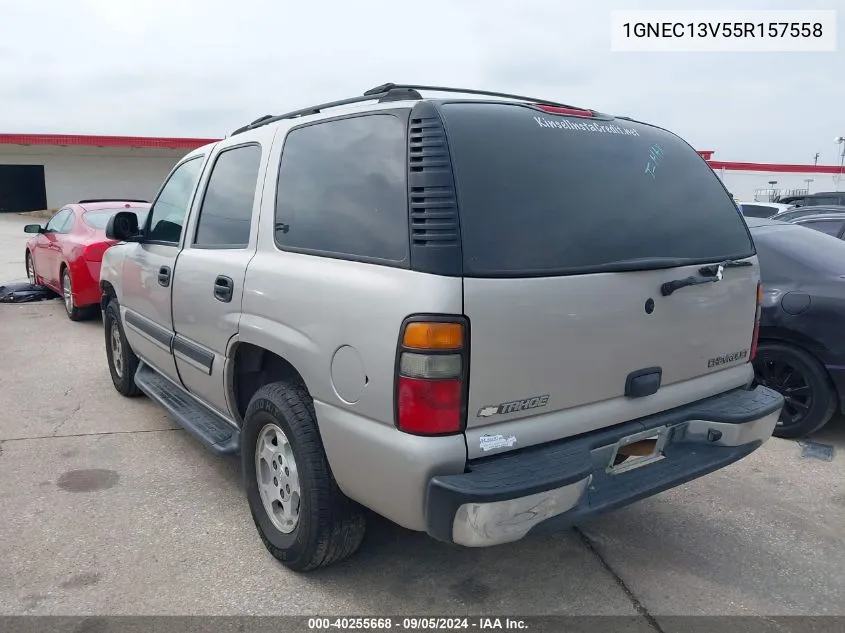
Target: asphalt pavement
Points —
{"points": [[108, 508]]}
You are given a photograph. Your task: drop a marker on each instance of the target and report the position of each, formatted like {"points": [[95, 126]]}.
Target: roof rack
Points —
{"points": [[112, 200], [392, 92], [468, 91]]}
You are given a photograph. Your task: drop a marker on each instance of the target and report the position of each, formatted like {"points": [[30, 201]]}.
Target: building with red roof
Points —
{"points": [[46, 171]]}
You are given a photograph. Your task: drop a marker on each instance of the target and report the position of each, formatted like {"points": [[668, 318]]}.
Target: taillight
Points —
{"points": [[564, 111], [431, 371], [757, 315]]}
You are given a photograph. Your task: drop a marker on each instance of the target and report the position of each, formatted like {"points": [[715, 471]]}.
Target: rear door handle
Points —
{"points": [[224, 288], [164, 276]]}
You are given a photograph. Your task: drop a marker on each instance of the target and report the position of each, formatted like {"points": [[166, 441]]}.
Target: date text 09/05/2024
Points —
{"points": [[724, 29], [416, 624]]}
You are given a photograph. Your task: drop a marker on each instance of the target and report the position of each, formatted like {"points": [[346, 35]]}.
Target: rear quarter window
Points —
{"points": [[541, 194], [342, 189]]}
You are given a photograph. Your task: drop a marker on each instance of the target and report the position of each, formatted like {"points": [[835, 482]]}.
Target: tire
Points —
{"points": [[803, 381], [30, 269], [122, 369], [73, 312], [329, 526]]}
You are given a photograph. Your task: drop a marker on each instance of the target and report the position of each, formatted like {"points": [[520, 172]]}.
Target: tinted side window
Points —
{"points": [[58, 221], [342, 190], [170, 208], [226, 213], [831, 227]]}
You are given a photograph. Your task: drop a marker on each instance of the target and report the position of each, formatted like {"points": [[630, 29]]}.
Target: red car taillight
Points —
{"points": [[431, 371], [757, 315]]}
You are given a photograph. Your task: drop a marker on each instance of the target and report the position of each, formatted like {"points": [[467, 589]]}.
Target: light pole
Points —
{"points": [[772, 194], [841, 141], [808, 181]]}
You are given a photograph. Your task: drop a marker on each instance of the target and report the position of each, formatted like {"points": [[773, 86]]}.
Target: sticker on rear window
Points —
{"points": [[602, 128], [492, 442]]}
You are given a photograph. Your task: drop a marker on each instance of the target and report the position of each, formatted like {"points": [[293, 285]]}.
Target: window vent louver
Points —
{"points": [[434, 210]]}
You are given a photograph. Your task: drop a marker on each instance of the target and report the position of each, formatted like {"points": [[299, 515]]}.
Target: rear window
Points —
{"points": [[831, 227], [99, 218], [758, 211], [781, 248], [541, 194], [821, 201]]}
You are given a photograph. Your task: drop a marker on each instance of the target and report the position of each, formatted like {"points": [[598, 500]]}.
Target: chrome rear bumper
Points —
{"points": [[501, 499]]}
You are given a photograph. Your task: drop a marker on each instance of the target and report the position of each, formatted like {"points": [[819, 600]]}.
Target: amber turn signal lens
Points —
{"points": [[433, 336]]}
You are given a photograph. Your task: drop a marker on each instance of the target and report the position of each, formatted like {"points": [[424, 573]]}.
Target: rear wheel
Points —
{"points": [[74, 313], [810, 399], [304, 520]]}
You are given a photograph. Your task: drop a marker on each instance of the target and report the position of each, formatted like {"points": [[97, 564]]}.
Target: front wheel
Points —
{"points": [[303, 518], [122, 360], [809, 398], [30, 269]]}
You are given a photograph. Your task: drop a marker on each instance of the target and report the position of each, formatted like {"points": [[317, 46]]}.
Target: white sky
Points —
{"points": [[203, 68]]}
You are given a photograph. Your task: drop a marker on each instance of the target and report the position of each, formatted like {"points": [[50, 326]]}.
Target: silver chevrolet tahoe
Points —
{"points": [[476, 314]]}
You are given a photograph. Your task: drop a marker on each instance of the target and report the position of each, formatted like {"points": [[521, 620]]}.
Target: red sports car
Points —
{"points": [[65, 255]]}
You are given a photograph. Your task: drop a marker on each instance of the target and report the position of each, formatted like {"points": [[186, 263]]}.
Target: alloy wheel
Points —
{"points": [[116, 350], [775, 373], [66, 292], [278, 478]]}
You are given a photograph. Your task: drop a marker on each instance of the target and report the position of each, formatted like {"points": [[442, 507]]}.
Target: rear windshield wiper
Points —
{"points": [[710, 274], [715, 270]]}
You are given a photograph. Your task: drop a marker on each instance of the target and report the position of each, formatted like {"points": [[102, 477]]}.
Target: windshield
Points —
{"points": [[98, 218], [542, 194]]}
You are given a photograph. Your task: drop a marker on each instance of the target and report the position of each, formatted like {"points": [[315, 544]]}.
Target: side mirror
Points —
{"points": [[33, 228], [123, 226]]}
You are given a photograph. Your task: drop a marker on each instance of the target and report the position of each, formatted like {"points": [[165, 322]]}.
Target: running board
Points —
{"points": [[218, 435]]}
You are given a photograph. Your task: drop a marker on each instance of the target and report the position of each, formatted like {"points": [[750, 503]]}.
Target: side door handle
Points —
{"points": [[224, 288], [164, 276]]}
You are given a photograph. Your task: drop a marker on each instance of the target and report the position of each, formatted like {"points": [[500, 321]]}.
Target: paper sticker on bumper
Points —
{"points": [[491, 442]]}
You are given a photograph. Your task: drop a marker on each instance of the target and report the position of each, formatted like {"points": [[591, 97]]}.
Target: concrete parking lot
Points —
{"points": [[107, 507]]}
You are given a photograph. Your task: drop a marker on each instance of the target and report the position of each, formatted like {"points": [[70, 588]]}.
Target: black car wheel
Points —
{"points": [[810, 399]]}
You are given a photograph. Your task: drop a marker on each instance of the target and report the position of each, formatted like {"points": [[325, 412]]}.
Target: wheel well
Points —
{"points": [[108, 293], [255, 367]]}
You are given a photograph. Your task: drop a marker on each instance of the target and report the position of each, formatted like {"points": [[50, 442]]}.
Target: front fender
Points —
{"points": [[111, 270]]}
